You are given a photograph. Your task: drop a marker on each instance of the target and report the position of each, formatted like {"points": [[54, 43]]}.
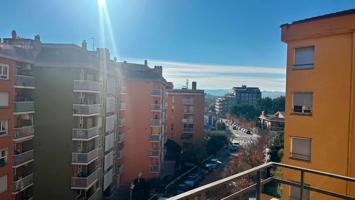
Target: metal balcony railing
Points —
{"points": [[156, 107], [189, 102], [23, 158], [85, 182], [121, 122], [23, 81], [155, 168], [96, 196], [123, 106], [154, 138], [186, 136], [84, 158], [262, 175], [85, 133], [123, 90], [189, 120], [86, 109], [22, 183], [23, 132], [156, 122], [189, 111], [187, 130], [24, 106], [120, 137], [86, 86], [156, 92], [155, 153]]}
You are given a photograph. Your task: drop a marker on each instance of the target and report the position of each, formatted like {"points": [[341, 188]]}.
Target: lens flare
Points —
{"points": [[101, 3]]}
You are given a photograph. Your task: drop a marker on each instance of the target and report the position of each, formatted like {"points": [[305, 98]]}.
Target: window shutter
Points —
{"points": [[4, 99], [3, 184], [304, 56], [303, 98], [301, 148]]}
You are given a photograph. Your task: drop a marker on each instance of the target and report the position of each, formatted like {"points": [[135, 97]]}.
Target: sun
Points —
{"points": [[101, 3]]}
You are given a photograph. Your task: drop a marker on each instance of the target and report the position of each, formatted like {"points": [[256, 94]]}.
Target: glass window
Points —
{"points": [[4, 72], [304, 57], [3, 127], [4, 99], [301, 148], [3, 184], [3, 157], [302, 102]]}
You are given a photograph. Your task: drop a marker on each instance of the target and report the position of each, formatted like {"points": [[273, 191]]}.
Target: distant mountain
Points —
{"points": [[222, 92]]}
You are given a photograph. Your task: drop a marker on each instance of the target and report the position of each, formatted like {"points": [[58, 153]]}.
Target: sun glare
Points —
{"points": [[101, 3]]}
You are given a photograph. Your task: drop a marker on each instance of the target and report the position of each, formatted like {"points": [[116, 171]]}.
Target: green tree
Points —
{"points": [[215, 143], [195, 153], [221, 125], [141, 189], [265, 104], [278, 104], [248, 112]]}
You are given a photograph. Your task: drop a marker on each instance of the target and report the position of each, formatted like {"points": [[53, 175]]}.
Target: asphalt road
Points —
{"points": [[239, 136]]}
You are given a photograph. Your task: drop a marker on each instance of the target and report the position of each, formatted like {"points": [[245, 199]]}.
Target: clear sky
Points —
{"points": [[220, 44]]}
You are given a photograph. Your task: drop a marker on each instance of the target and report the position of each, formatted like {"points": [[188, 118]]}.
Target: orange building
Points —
{"points": [[142, 121], [320, 101], [185, 115]]}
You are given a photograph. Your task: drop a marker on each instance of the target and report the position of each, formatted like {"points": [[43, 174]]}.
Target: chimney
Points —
{"points": [[158, 70], [146, 62], [125, 61], [37, 38], [84, 45], [14, 34], [194, 85]]}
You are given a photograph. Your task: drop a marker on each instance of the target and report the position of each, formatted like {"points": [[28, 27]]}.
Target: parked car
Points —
{"points": [[190, 183], [234, 128], [248, 132], [182, 188], [194, 177]]}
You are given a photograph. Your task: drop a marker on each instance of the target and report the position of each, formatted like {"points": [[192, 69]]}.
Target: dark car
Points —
{"points": [[182, 188]]}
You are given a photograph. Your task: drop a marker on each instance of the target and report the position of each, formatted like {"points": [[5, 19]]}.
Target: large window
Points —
{"points": [[301, 148], [3, 157], [4, 99], [3, 127], [4, 72], [304, 57], [3, 184], [295, 193], [302, 102]]}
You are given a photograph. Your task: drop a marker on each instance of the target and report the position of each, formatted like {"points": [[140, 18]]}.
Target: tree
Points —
{"points": [[221, 125], [195, 153], [265, 104], [141, 189], [278, 104], [215, 143], [248, 112]]}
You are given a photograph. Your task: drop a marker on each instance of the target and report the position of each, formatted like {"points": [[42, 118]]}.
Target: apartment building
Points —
{"points": [[224, 104], [71, 94], [142, 121], [185, 111], [246, 95], [320, 99]]}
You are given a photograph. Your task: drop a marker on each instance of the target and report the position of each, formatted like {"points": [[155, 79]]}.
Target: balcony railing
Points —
{"points": [[156, 122], [155, 153], [261, 175], [155, 168], [123, 106], [120, 137], [23, 158], [156, 107], [85, 182], [190, 120], [156, 92], [186, 136], [24, 107], [154, 138], [123, 90], [85, 134], [84, 158], [23, 81], [22, 183], [86, 109], [121, 122], [86, 86], [96, 196], [188, 130], [188, 111], [23, 133], [189, 102]]}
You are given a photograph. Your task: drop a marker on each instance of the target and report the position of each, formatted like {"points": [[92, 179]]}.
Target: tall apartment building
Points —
{"points": [[142, 121], [246, 95], [224, 104], [320, 100], [65, 96], [185, 113]]}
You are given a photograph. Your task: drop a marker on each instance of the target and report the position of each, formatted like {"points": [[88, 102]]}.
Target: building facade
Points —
{"points": [[246, 95], [320, 99], [185, 111]]}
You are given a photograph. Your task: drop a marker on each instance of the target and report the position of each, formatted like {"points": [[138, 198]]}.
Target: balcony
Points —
{"points": [[86, 86], [156, 107], [154, 138], [23, 158], [261, 175], [123, 106], [121, 122], [155, 169], [24, 107], [188, 130], [155, 122], [120, 137], [86, 110], [85, 134], [188, 111], [84, 183], [123, 90], [26, 82], [22, 184], [156, 92], [84, 158], [155, 153], [188, 120], [96, 196], [187, 136], [23, 133]]}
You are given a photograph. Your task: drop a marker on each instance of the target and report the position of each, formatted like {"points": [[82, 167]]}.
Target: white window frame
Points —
{"points": [[301, 156], [303, 65], [3, 123], [305, 109], [4, 76]]}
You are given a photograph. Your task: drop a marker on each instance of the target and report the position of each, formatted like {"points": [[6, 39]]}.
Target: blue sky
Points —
{"points": [[220, 44]]}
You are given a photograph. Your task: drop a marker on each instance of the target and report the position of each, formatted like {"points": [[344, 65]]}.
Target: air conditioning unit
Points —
{"points": [[306, 109]]}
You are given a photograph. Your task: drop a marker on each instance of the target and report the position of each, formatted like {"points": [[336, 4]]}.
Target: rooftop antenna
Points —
{"points": [[93, 43], [187, 83]]}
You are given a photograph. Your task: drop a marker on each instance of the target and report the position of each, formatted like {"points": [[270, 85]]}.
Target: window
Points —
{"points": [[301, 148], [4, 72], [302, 102], [4, 99], [3, 184], [3, 127], [304, 57], [3, 157], [295, 193]]}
